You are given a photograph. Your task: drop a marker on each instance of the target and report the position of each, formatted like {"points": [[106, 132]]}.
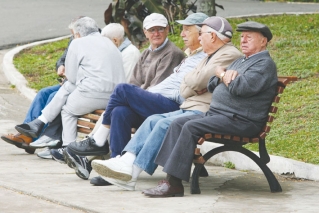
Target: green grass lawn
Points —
{"points": [[294, 47]]}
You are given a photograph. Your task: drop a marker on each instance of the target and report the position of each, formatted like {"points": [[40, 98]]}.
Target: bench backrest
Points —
{"points": [[281, 85]]}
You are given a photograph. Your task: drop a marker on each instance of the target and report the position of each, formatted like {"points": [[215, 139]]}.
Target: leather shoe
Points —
{"points": [[165, 189], [88, 147], [99, 181], [20, 141], [32, 129]]}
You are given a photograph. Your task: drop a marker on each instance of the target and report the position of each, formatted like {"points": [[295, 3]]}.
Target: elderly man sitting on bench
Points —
{"points": [[242, 95]]}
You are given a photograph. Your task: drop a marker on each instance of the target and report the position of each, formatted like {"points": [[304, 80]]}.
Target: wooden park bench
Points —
{"points": [[86, 123], [235, 143]]}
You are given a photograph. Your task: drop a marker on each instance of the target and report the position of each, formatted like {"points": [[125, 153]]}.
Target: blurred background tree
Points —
{"points": [[131, 13]]}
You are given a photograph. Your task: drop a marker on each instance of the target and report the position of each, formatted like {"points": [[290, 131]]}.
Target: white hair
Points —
{"points": [[84, 26], [113, 30], [73, 21], [219, 35]]}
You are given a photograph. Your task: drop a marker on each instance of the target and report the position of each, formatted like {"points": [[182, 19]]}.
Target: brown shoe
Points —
{"points": [[164, 189], [20, 141]]}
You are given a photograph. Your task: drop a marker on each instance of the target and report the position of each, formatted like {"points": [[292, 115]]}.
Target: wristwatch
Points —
{"points": [[222, 75]]}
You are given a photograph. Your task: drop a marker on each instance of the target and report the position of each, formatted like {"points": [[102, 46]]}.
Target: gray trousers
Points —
{"points": [[71, 103], [177, 151]]}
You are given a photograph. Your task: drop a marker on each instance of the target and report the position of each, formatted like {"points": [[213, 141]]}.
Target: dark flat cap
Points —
{"points": [[255, 26]]}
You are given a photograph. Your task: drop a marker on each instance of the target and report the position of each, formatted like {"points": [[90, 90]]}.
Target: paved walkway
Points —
{"points": [[31, 184]]}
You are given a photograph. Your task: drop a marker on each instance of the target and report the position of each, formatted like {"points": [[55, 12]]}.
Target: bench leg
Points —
{"points": [[195, 178], [272, 181]]}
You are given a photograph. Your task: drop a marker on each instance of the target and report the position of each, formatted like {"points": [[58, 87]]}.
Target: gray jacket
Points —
{"points": [[250, 94]]}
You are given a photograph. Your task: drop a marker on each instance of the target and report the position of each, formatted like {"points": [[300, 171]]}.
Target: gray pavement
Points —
{"points": [[31, 184]]}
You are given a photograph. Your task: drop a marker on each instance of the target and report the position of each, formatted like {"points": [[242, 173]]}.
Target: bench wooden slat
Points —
{"points": [[86, 124], [84, 130], [91, 117]]}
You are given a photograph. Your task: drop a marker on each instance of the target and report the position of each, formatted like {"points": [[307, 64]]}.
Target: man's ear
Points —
{"points": [[145, 33], [264, 41]]}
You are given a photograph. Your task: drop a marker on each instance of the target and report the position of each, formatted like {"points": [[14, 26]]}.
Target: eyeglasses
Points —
{"points": [[200, 33], [159, 29]]}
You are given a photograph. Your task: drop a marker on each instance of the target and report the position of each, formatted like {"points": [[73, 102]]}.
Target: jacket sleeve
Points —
{"points": [[197, 80], [254, 80]]}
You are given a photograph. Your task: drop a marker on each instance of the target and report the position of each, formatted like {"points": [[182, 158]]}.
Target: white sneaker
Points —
{"points": [[44, 141], [128, 185], [114, 168], [45, 154]]}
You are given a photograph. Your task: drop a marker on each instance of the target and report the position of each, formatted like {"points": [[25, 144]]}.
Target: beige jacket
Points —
{"points": [[197, 79]]}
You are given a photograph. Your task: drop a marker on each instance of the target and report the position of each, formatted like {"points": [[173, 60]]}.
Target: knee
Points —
{"points": [[123, 87], [163, 124], [153, 119]]}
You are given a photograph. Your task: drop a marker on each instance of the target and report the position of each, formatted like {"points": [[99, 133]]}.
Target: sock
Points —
{"points": [[136, 172], [174, 181], [101, 135], [43, 119], [128, 158]]}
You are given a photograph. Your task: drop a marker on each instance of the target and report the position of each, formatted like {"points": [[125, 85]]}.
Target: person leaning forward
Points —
{"points": [[242, 94]]}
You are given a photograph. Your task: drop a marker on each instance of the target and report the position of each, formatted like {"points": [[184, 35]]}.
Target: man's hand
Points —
{"points": [[61, 70], [229, 76], [201, 91]]}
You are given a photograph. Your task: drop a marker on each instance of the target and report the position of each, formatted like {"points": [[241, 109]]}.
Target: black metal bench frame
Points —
{"points": [[235, 143]]}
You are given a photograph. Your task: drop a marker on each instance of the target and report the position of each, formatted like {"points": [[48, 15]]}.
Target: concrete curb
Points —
{"points": [[277, 164], [14, 76]]}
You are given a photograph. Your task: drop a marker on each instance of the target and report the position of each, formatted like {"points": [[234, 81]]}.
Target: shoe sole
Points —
{"points": [[71, 162], [100, 183], [107, 172], [123, 186], [159, 196], [43, 145], [45, 156], [26, 132], [58, 160], [21, 145], [17, 144]]}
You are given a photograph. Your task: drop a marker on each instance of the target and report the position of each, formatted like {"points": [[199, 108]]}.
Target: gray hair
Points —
{"points": [[84, 26], [219, 35], [113, 30], [73, 21]]}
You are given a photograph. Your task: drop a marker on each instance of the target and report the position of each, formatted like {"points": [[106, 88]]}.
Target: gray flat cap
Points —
{"points": [[255, 26]]}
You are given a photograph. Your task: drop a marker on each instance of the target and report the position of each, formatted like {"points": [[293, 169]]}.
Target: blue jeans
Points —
{"points": [[43, 97], [148, 138], [128, 107]]}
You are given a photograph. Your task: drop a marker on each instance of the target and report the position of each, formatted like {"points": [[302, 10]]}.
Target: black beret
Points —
{"points": [[255, 26]]}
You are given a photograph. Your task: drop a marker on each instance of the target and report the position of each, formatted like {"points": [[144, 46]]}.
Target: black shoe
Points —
{"points": [[32, 129], [99, 181], [80, 164], [88, 147], [57, 154]]}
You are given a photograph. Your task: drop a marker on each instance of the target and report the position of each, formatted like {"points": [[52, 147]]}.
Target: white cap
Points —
{"points": [[154, 19]]}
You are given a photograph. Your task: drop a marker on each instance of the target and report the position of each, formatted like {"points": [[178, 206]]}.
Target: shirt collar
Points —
{"points": [[160, 47], [188, 52]]}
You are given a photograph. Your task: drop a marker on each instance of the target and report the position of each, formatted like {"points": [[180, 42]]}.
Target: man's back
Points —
{"points": [[94, 64]]}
